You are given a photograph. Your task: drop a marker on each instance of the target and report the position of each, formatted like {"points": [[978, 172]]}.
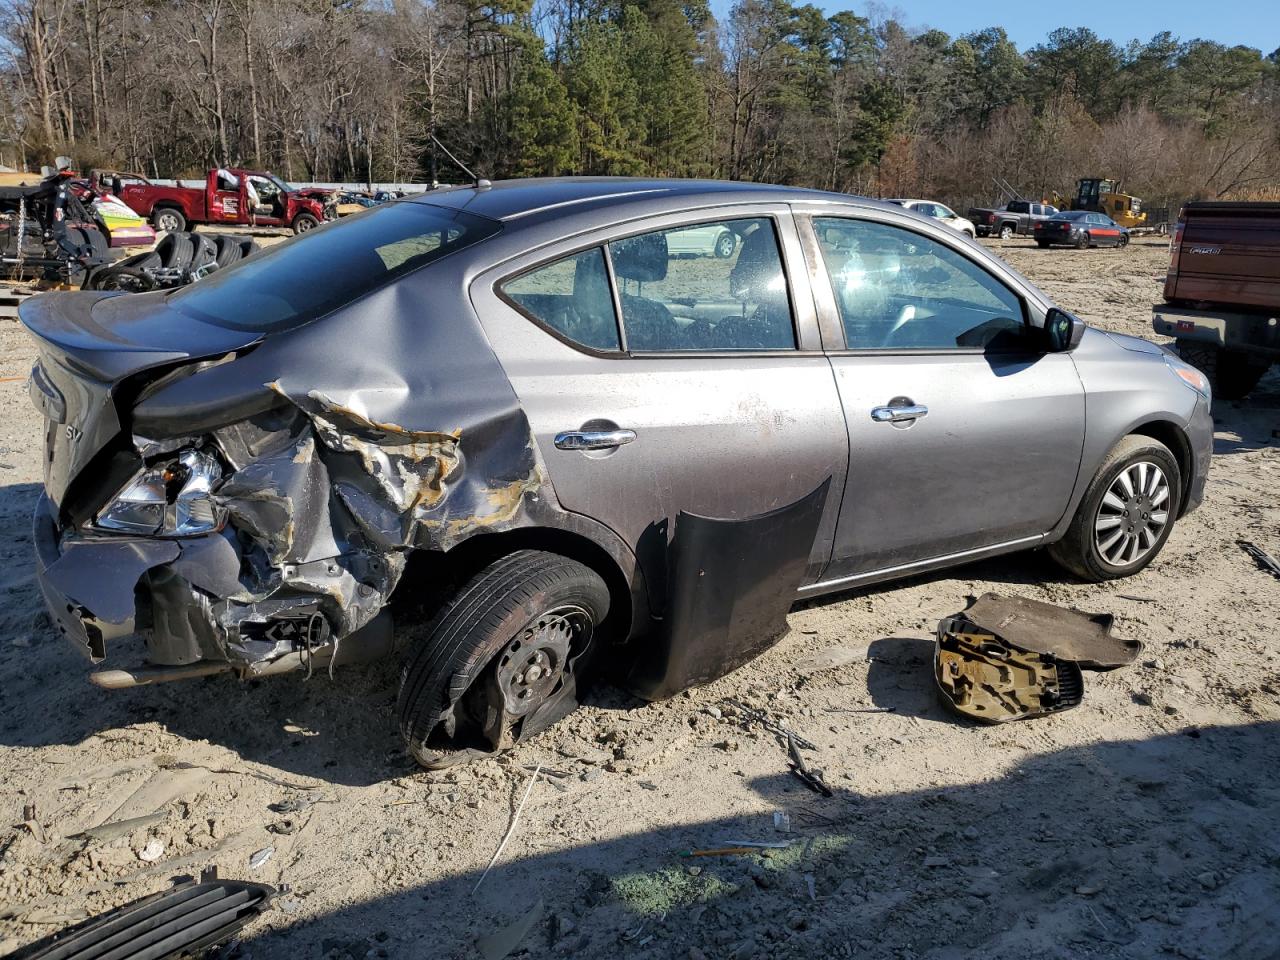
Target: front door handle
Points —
{"points": [[593, 439], [913, 411]]}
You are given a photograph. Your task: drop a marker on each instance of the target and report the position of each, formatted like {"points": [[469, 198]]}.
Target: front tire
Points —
{"points": [[500, 660], [726, 243], [304, 222], [1232, 375], [1126, 515]]}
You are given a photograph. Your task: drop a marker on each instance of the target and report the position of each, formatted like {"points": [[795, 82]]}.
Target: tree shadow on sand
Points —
{"points": [[1125, 849]]}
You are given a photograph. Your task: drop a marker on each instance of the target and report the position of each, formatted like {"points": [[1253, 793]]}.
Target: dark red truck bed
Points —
{"points": [[1222, 292]]}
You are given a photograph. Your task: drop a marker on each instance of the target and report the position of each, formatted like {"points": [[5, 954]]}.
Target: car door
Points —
{"points": [[964, 435], [711, 395], [1107, 230]]}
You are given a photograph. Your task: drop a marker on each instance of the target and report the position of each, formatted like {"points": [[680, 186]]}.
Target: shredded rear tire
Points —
{"points": [[466, 636]]}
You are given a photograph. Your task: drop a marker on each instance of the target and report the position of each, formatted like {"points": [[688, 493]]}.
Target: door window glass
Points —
{"points": [[572, 297], [716, 286], [898, 290]]}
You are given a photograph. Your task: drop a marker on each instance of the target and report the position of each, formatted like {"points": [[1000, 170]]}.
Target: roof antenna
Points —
{"points": [[479, 182]]}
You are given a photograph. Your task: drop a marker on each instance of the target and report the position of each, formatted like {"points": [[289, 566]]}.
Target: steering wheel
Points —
{"points": [[905, 316]]}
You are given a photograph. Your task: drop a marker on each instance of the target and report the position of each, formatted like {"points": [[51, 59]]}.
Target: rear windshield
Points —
{"points": [[318, 272], [1072, 215]]}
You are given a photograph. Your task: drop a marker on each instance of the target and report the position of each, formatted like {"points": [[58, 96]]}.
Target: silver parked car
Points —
{"points": [[511, 415]]}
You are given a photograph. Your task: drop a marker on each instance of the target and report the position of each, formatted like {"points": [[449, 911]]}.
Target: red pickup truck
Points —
{"points": [[228, 196], [1222, 293]]}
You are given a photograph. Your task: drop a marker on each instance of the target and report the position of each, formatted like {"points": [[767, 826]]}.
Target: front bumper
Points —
{"points": [[1200, 433]]}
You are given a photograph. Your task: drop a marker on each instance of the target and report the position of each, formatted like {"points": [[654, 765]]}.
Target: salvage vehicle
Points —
{"points": [[1222, 292], [1080, 229], [234, 196], [1016, 218], [929, 208], [712, 241], [571, 451]]}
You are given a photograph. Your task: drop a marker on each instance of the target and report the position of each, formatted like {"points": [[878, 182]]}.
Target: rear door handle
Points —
{"points": [[593, 439], [912, 411]]}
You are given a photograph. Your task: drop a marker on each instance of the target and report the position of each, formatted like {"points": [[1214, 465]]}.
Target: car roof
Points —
{"points": [[539, 197]]}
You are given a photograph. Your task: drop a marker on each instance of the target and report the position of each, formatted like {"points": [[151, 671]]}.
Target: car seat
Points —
{"points": [[589, 318], [757, 278], [649, 324]]}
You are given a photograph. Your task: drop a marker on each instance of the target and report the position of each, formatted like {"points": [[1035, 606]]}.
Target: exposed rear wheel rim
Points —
{"points": [[532, 666], [1133, 514], [168, 223]]}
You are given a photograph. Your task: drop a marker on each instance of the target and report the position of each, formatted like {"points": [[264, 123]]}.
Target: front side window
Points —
{"points": [[716, 286], [317, 272], [898, 290], [572, 297]]}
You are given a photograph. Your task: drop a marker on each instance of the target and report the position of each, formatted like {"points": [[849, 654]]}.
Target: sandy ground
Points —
{"points": [[1141, 824]]}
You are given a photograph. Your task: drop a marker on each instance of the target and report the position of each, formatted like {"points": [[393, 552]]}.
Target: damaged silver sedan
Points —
{"points": [[516, 416]]}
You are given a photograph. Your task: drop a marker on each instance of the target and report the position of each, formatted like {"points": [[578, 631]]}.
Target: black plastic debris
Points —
{"points": [[182, 921], [730, 584], [982, 677], [1264, 560], [1036, 627]]}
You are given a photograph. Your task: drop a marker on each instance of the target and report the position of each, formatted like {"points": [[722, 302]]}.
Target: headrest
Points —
{"points": [[758, 273], [642, 258], [589, 279]]}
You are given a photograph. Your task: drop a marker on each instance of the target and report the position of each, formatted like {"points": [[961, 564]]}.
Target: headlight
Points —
{"points": [[1189, 375], [170, 499]]}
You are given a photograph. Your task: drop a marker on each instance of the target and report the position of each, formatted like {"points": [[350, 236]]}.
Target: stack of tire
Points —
{"points": [[189, 254]]}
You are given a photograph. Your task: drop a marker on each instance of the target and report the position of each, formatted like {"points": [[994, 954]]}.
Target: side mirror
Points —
{"points": [[1063, 331]]}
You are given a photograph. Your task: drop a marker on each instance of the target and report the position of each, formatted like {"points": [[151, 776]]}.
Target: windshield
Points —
{"points": [[1072, 215], [316, 273], [284, 187]]}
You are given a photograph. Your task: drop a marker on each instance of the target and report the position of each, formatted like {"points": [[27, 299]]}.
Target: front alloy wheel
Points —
{"points": [[1132, 514], [1126, 514]]}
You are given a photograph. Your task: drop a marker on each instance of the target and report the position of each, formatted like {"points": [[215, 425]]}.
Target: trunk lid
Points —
{"points": [[94, 347], [1227, 253]]}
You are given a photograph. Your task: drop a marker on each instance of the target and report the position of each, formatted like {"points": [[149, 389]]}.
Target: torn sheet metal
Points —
{"points": [[981, 677], [731, 584], [1036, 627], [334, 474]]}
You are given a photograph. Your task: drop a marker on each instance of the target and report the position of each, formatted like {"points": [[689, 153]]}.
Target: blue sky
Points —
{"points": [[1255, 23]]}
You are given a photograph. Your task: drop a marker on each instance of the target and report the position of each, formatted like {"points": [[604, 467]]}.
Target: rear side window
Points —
{"points": [[717, 286], [316, 273], [572, 297]]}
